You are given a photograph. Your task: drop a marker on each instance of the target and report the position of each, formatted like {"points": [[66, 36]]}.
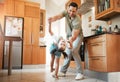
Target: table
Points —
{"points": [[11, 39]]}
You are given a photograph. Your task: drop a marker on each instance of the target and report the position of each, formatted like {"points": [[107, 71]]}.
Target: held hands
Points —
{"points": [[50, 19], [69, 44]]}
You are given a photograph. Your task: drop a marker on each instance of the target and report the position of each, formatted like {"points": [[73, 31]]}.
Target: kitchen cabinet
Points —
{"points": [[14, 8], [31, 40], [9, 7], [32, 9], [19, 8], [31, 31], [104, 53], [106, 9], [42, 55], [42, 22]]}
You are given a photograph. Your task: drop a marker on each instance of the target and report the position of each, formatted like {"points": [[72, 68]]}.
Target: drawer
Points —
{"points": [[98, 64], [97, 49], [96, 39]]}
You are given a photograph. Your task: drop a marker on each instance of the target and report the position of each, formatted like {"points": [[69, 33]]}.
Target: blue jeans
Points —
{"points": [[56, 53], [75, 53]]}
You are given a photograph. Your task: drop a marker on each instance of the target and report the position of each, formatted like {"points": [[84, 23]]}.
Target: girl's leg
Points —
{"points": [[56, 66], [52, 62]]}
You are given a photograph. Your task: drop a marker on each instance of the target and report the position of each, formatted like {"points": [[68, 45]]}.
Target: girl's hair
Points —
{"points": [[60, 38]]}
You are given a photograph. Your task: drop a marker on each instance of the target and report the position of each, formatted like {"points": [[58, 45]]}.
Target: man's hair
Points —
{"points": [[73, 4]]}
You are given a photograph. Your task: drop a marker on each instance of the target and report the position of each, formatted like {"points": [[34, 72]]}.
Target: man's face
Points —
{"points": [[72, 11]]}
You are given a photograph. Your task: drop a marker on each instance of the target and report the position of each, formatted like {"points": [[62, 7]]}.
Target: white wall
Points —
{"points": [[85, 23], [54, 7], [93, 22]]}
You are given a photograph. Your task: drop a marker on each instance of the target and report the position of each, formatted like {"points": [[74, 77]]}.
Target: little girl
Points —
{"points": [[56, 49]]}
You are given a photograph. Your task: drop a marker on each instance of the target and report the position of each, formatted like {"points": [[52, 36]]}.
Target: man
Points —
{"points": [[74, 37]]}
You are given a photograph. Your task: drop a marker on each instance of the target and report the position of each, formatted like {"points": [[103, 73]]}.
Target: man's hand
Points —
{"points": [[69, 44]]}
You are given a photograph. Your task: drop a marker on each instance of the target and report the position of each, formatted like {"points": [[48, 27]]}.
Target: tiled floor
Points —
{"points": [[40, 74]]}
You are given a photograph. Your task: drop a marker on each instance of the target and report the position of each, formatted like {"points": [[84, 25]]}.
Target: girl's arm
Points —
{"points": [[50, 30]]}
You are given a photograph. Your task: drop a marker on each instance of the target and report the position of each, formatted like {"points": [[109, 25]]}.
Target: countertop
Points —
{"points": [[43, 46], [102, 34]]}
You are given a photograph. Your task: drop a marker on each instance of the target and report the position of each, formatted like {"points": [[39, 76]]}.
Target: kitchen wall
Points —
{"points": [[93, 22], [86, 24]]}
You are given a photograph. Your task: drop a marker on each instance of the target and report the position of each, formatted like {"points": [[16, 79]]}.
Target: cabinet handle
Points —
{"points": [[5, 51], [95, 59], [94, 44], [31, 39]]}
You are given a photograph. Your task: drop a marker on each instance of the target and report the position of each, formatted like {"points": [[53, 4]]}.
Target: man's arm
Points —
{"points": [[54, 18], [75, 34]]}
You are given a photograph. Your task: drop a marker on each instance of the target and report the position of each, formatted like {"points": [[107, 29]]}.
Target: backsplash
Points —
{"points": [[89, 23]]}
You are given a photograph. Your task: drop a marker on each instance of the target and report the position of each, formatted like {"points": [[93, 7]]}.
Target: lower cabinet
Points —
{"points": [[42, 55], [104, 53], [34, 55], [98, 64]]}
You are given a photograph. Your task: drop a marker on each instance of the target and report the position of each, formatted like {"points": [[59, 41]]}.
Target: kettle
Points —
{"points": [[116, 29]]}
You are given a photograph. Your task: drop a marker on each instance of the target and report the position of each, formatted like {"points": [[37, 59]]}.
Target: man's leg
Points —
{"points": [[76, 56]]}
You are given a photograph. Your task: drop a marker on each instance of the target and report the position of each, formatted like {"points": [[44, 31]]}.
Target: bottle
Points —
{"points": [[116, 29], [110, 29]]}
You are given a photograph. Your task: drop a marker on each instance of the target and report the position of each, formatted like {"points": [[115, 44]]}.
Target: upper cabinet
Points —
{"points": [[14, 8], [32, 9], [9, 7], [106, 9], [19, 8]]}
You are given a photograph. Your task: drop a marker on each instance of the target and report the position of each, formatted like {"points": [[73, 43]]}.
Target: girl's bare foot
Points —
{"points": [[52, 70], [55, 76]]}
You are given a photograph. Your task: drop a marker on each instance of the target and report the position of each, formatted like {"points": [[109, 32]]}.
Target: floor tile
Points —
{"points": [[40, 74]]}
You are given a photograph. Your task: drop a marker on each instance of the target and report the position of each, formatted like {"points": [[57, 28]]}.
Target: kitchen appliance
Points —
{"points": [[13, 28]]}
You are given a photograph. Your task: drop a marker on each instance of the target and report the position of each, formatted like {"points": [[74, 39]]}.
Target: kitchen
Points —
{"points": [[88, 18]]}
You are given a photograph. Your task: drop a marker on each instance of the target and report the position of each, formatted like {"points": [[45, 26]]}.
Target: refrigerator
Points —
{"points": [[13, 28]]}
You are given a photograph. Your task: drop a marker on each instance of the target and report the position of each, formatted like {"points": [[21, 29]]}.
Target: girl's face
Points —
{"points": [[62, 45]]}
